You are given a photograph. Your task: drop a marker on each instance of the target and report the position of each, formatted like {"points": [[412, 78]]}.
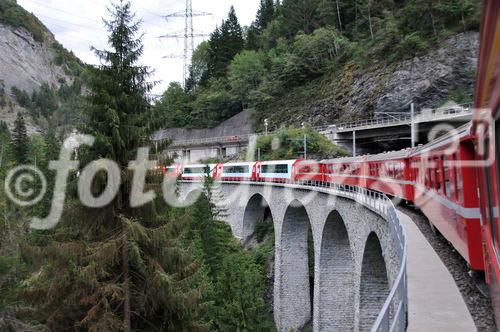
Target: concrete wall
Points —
{"points": [[346, 256], [193, 155], [240, 124]]}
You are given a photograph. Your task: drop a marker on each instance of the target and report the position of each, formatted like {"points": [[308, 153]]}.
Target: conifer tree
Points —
{"points": [[225, 42], [118, 267], [20, 140], [265, 14]]}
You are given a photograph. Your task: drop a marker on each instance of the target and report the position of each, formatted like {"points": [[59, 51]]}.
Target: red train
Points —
{"points": [[485, 128]]}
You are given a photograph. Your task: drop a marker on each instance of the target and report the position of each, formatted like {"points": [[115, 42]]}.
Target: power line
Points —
{"points": [[188, 34], [145, 22], [63, 11]]}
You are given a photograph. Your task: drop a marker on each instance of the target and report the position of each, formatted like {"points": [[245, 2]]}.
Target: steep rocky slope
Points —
{"points": [[30, 57], [358, 91], [26, 63]]}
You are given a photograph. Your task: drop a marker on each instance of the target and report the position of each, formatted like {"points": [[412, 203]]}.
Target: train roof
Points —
{"points": [[344, 160], [239, 163], [460, 133], [390, 155], [278, 162], [199, 165]]}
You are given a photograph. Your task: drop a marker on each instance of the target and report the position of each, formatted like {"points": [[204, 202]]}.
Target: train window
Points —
{"points": [[446, 176], [437, 170], [196, 170], [236, 169], [459, 184], [282, 169]]}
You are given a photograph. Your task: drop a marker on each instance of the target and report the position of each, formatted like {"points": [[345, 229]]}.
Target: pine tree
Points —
{"points": [[20, 140], [299, 15], [225, 42], [118, 268], [265, 14]]}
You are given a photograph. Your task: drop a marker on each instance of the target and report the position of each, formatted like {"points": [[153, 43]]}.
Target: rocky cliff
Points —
{"points": [[30, 56], [443, 74], [26, 63]]}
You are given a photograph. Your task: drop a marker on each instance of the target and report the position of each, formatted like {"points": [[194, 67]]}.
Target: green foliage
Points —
{"points": [[13, 14], [310, 55], [20, 140], [22, 97], [262, 229], [174, 107], [292, 43], [199, 65], [246, 72], [289, 144], [62, 57], [214, 104], [3, 97], [236, 278], [116, 267], [225, 42]]}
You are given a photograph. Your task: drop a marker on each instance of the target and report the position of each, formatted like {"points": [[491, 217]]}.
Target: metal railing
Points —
{"points": [[424, 115], [393, 315], [236, 139]]}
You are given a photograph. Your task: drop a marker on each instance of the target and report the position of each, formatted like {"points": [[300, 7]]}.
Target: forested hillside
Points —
{"points": [[116, 267], [328, 59]]}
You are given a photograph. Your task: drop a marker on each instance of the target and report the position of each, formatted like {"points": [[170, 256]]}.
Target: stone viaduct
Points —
{"points": [[358, 251]]}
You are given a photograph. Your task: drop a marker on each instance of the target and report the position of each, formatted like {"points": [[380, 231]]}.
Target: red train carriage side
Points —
{"points": [[308, 172], [348, 171], [172, 170], [486, 129], [446, 192], [390, 173], [244, 171]]}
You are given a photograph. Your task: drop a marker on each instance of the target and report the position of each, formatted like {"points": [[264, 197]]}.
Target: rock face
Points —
{"points": [[26, 63], [428, 81]]}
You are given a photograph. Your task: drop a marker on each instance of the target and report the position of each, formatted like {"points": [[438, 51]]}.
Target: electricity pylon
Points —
{"points": [[188, 35]]}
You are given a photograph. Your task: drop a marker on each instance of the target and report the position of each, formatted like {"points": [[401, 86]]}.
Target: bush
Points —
{"points": [[289, 144]]}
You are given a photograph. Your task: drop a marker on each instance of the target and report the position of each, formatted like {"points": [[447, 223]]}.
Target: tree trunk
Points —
{"points": [[126, 302], [370, 19], [338, 15], [431, 8]]}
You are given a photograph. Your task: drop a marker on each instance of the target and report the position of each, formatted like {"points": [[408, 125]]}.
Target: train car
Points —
{"points": [[486, 130], [244, 171], [348, 171], [391, 174], [308, 172], [446, 192], [173, 170], [281, 171], [198, 172]]}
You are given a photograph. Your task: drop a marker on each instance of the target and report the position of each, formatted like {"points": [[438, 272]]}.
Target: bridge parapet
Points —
{"points": [[397, 119]]}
